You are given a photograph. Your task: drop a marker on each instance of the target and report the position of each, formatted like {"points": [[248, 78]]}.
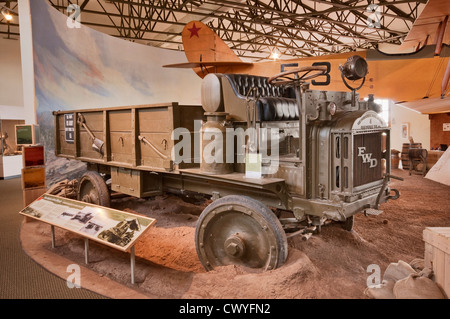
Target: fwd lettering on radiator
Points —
{"points": [[367, 157]]}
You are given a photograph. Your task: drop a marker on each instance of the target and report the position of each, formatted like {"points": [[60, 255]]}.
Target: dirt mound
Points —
{"points": [[172, 248], [294, 280]]}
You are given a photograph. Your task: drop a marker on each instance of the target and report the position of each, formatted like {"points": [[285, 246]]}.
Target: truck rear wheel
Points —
{"points": [[92, 189], [238, 230]]}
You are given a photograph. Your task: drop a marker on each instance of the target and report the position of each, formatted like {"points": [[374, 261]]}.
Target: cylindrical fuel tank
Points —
{"points": [[213, 145]]}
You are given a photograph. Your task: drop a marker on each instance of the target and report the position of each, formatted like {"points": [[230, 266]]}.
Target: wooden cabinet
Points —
{"points": [[437, 255]]}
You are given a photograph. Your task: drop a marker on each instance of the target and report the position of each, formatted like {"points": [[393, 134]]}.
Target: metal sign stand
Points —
{"points": [[53, 236], [86, 253], [133, 262]]}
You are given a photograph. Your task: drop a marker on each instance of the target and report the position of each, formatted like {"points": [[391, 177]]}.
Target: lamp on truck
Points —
{"points": [[354, 69]]}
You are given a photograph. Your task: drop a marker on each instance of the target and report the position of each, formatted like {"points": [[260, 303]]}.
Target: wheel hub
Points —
{"points": [[86, 198], [90, 197], [234, 246], [93, 189]]}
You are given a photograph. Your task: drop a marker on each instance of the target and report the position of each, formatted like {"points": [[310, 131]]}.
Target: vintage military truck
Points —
{"points": [[306, 157]]}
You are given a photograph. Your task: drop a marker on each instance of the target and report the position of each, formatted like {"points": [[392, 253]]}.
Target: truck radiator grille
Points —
{"points": [[367, 155]]}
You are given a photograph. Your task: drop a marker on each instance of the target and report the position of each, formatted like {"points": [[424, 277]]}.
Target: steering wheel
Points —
{"points": [[298, 75]]}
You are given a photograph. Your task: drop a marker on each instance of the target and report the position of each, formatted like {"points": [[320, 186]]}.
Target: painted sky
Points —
{"points": [[81, 68]]}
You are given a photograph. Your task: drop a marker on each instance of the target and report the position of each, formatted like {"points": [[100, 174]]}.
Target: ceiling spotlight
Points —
{"points": [[8, 16], [275, 54]]}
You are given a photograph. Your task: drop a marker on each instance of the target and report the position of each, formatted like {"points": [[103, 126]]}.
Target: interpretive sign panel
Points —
{"points": [[109, 226], [69, 125]]}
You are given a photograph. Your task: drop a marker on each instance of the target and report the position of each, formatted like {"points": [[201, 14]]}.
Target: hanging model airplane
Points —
{"points": [[418, 80]]}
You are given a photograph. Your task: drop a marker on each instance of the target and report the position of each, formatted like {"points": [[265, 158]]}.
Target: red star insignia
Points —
{"points": [[194, 31]]}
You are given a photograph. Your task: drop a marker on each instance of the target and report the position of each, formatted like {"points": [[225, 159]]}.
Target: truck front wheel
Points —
{"points": [[241, 231]]}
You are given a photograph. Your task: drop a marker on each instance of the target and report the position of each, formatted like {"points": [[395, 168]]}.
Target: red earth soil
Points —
{"points": [[331, 264]]}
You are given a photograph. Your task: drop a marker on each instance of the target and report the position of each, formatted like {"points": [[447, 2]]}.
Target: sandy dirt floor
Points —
{"points": [[331, 264]]}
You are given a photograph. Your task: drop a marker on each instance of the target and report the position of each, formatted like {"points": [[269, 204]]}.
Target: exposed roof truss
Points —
{"points": [[252, 28]]}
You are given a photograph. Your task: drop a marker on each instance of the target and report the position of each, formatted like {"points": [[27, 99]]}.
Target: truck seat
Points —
{"points": [[228, 93]]}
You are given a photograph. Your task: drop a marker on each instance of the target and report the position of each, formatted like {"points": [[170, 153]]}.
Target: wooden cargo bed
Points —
{"points": [[138, 137]]}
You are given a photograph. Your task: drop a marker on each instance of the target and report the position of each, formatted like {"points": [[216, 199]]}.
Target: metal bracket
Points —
{"points": [[383, 188], [397, 194], [215, 196], [146, 141], [97, 143], [252, 145], [299, 213]]}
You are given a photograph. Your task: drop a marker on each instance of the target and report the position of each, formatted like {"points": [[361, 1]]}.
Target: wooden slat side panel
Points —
{"points": [[61, 145], [155, 120], [438, 237], [94, 122], [189, 114], [428, 255], [120, 136], [439, 266], [119, 129], [156, 126], [162, 142], [437, 255], [447, 275]]}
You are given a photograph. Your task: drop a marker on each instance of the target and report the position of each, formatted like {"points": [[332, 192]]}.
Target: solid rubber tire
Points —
{"points": [[348, 223], [99, 185], [258, 208]]}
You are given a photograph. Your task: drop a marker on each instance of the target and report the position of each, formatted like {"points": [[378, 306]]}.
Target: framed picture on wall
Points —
{"points": [[405, 130]]}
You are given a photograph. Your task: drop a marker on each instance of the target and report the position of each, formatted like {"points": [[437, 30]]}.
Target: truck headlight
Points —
{"points": [[355, 68]]}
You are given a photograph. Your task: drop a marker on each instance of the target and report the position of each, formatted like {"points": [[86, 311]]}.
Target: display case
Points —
{"points": [[10, 152], [27, 134]]}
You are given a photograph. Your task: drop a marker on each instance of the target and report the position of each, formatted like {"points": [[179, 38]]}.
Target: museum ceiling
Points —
{"points": [[253, 29]]}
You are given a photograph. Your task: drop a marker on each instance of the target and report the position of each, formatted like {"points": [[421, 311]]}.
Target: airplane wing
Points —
{"points": [[431, 27], [428, 106]]}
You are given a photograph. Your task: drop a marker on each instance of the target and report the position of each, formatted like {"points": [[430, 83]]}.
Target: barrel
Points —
{"points": [[395, 159], [405, 150], [417, 153]]}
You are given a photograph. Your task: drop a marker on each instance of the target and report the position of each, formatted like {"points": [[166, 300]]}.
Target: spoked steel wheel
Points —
{"points": [[241, 231], [92, 189]]}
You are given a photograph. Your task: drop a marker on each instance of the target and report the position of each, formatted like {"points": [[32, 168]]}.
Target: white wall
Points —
{"points": [[26, 42], [11, 112], [11, 93], [419, 126]]}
